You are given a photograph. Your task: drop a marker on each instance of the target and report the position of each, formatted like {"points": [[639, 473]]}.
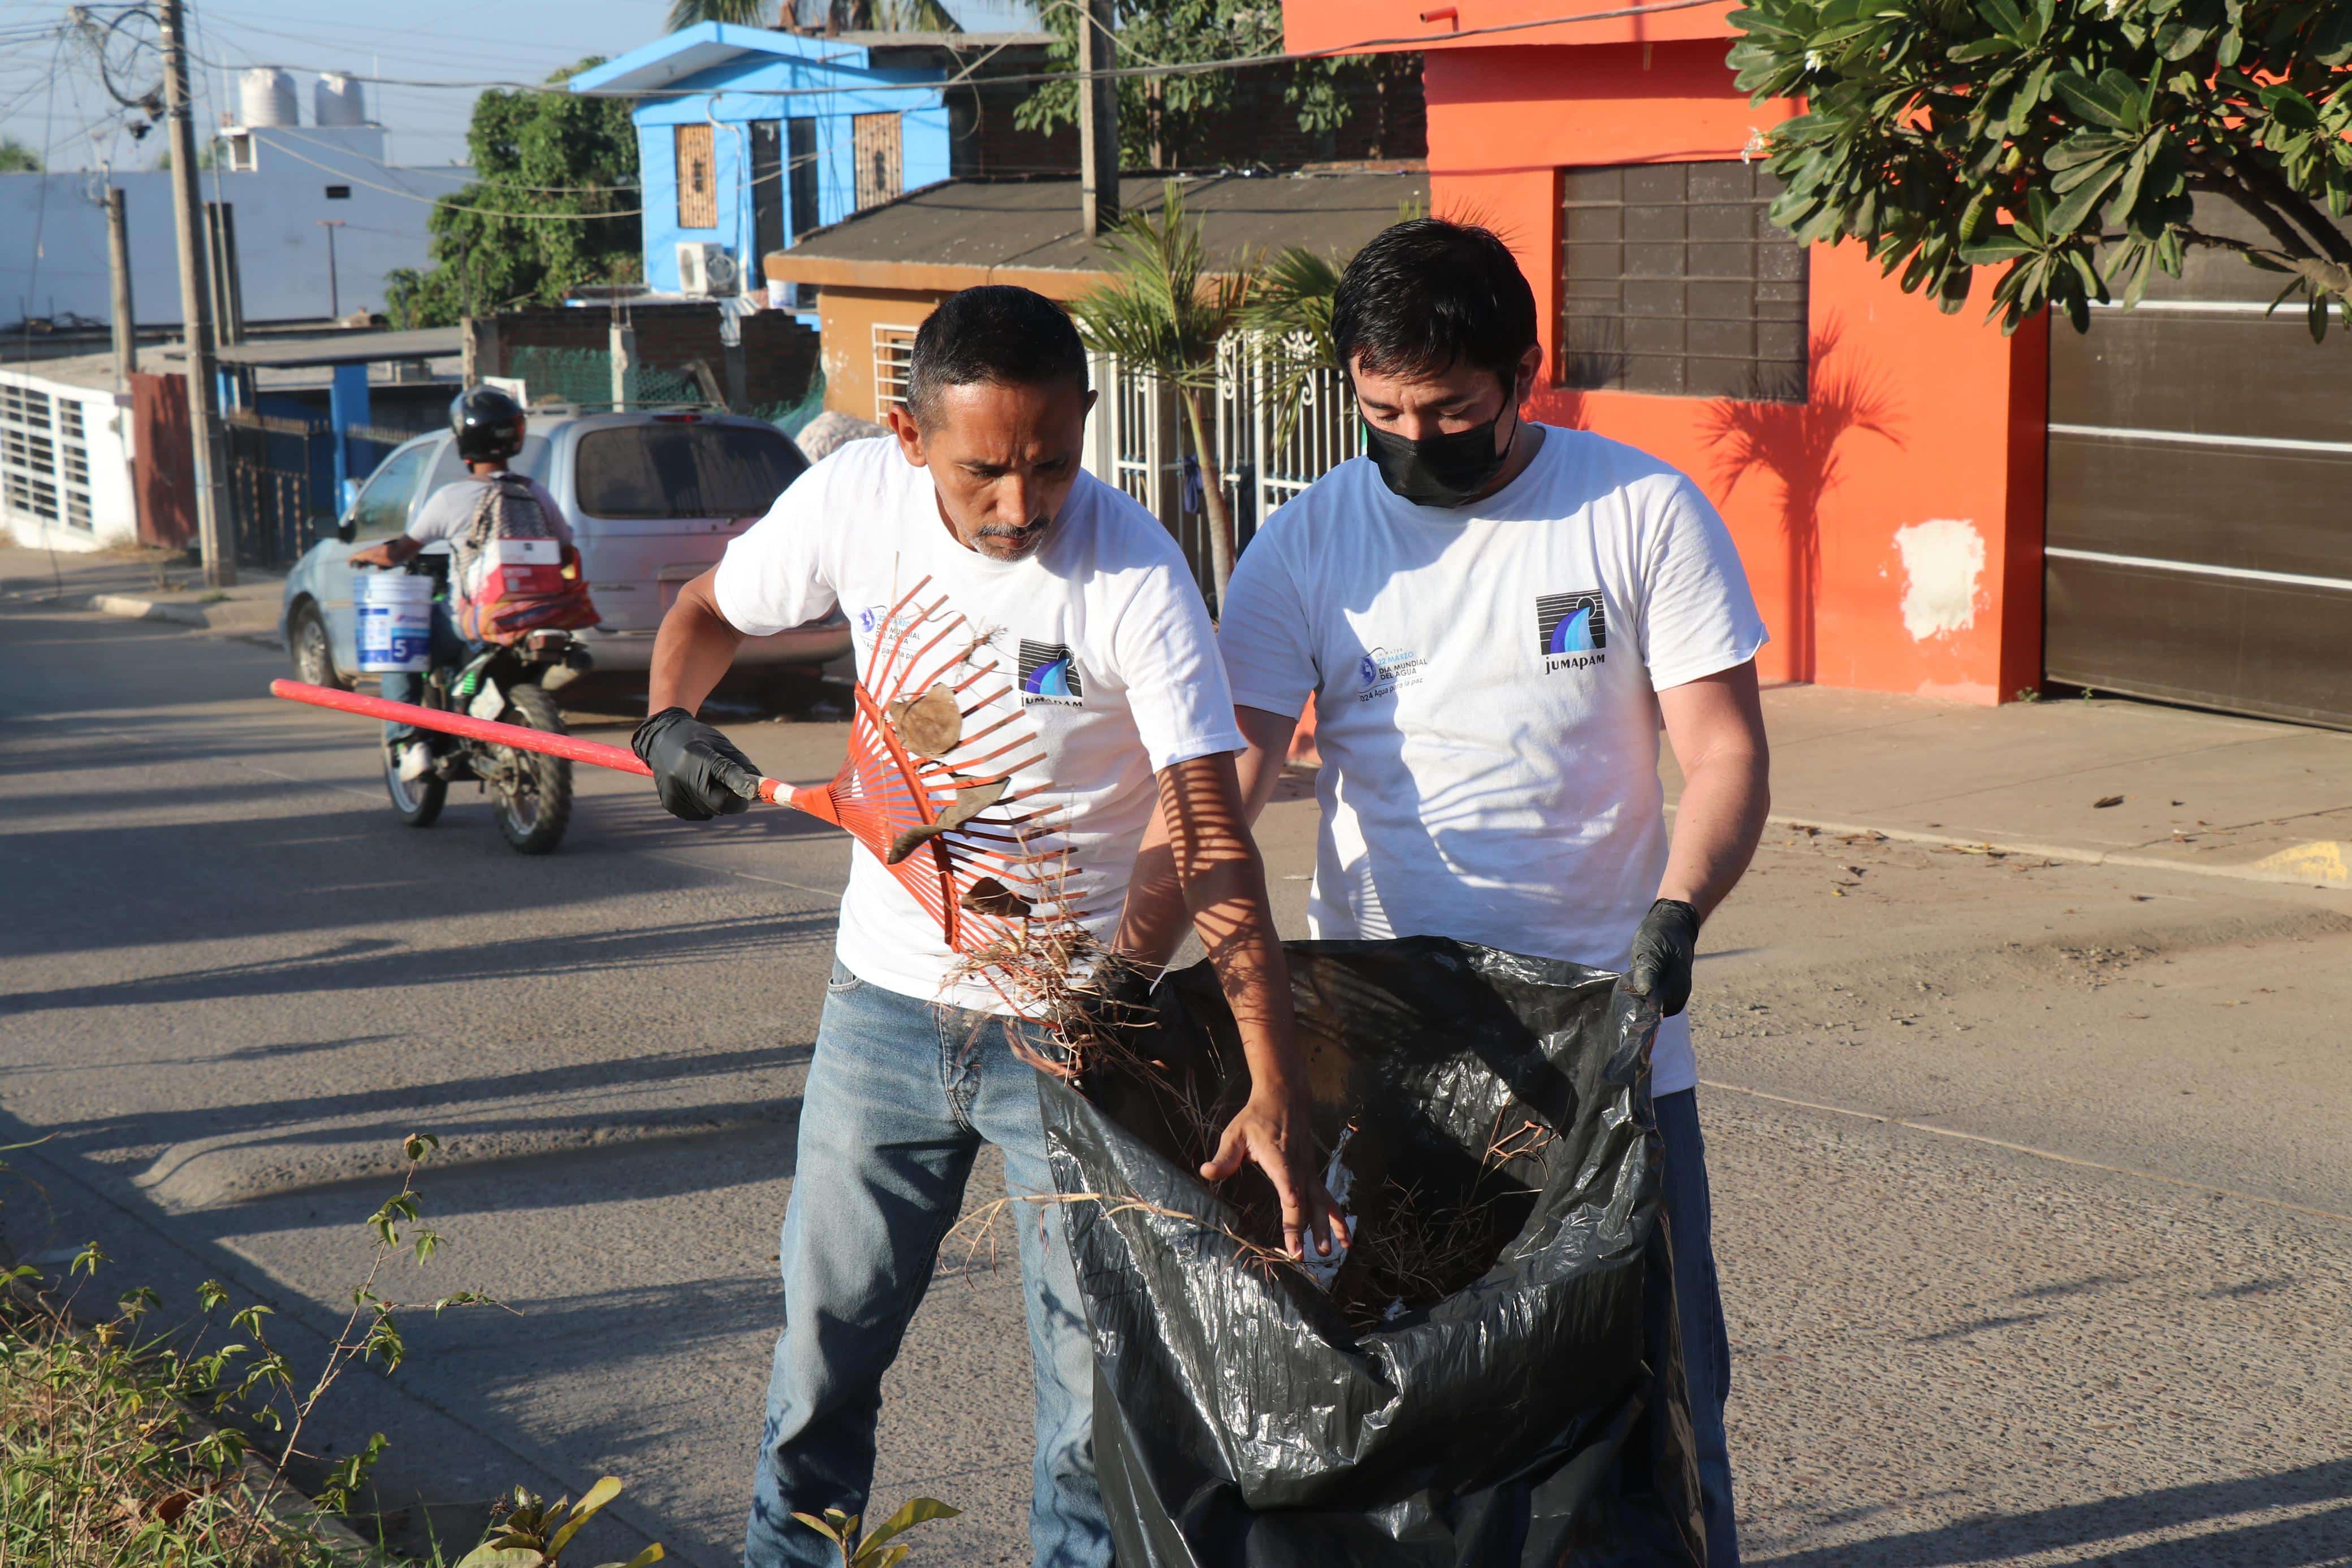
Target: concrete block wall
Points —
{"points": [[779, 354]]}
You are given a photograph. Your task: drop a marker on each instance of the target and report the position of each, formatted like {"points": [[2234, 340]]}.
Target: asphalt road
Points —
{"points": [[2033, 1181]]}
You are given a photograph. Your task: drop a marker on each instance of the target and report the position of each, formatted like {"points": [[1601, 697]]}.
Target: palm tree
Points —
{"points": [[1165, 315], [1291, 312], [741, 12]]}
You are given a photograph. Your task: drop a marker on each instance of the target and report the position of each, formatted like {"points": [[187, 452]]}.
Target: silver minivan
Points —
{"points": [[651, 499]]}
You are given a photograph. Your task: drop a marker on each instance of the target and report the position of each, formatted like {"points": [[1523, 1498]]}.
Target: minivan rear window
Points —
{"points": [[683, 470]]}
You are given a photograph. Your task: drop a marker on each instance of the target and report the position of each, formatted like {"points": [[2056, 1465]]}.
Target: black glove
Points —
{"points": [[1664, 950], [697, 770]]}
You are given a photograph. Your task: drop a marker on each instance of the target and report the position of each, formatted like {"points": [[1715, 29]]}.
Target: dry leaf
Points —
{"points": [[2103, 801], [969, 803], [930, 724], [990, 896]]}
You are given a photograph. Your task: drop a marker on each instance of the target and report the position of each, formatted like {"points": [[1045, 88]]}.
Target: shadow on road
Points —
{"points": [[358, 963], [2316, 1534]]}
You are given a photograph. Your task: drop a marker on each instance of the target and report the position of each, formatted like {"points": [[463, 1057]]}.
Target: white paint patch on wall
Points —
{"points": [[1943, 558]]}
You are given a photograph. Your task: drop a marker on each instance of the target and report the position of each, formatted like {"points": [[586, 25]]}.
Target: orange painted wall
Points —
{"points": [[1340, 23], [1891, 524]]}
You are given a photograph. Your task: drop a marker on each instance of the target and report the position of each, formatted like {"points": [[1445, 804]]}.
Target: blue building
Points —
{"points": [[749, 137]]}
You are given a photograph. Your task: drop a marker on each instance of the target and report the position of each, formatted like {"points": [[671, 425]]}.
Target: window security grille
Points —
{"points": [[880, 170], [894, 352], [44, 458], [698, 184], [1674, 281]]}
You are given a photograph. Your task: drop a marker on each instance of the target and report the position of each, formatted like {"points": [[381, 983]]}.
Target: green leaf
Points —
{"points": [[590, 1500], [921, 1510], [2135, 173], [2076, 204], [489, 1555], [1992, 251], [2004, 16], [2092, 100], [645, 1559], [2290, 107], [820, 1526]]}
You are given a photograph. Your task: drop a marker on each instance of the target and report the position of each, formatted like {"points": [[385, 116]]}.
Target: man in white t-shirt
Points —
{"points": [[1494, 618], [1084, 598]]}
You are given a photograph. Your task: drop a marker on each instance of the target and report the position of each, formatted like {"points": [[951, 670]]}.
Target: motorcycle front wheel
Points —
{"points": [[418, 800], [533, 793]]}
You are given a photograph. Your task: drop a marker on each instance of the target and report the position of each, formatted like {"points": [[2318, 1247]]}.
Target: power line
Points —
{"points": [[1195, 67]]}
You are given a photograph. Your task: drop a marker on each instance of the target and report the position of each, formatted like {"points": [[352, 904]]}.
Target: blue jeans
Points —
{"points": [[1707, 1348], [901, 1095], [448, 651]]}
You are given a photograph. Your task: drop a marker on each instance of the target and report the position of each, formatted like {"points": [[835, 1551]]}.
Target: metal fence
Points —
{"points": [[280, 484], [1275, 435]]}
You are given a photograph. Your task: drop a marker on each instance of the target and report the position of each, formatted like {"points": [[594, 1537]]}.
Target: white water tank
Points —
{"points": [[338, 99], [267, 95]]}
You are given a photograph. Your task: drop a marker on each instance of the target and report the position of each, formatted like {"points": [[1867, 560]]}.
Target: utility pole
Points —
{"points": [[622, 337], [1098, 121], [118, 266], [228, 286], [208, 449], [334, 286]]}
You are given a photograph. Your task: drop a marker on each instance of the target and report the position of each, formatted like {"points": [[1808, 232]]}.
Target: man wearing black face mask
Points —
{"points": [[1494, 618]]}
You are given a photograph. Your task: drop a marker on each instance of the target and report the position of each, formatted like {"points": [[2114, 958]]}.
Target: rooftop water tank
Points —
{"points": [[338, 100], [267, 95]]}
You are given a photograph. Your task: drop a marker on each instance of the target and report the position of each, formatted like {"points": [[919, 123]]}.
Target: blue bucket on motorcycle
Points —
{"points": [[394, 610]]}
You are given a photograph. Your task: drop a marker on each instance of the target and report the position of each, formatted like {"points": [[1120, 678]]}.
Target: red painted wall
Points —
{"points": [[1891, 525]]}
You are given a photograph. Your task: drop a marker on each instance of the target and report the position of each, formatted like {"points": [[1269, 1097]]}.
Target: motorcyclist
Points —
{"points": [[488, 427]]}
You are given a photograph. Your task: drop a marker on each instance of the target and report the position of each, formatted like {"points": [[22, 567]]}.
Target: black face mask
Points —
{"points": [[1449, 470]]}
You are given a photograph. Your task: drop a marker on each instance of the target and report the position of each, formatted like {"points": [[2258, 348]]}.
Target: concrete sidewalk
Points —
{"points": [[142, 584], [2111, 781]]}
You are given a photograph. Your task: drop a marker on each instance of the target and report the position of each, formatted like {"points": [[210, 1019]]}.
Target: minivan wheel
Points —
{"points": [[314, 653]]}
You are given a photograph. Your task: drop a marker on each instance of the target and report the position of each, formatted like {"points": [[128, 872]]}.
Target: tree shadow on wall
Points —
{"points": [[1798, 443]]}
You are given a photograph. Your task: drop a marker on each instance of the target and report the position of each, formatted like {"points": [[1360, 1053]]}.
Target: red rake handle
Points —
{"points": [[595, 753]]}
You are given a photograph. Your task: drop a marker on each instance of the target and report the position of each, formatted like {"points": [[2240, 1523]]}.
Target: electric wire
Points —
{"points": [[1191, 67]]}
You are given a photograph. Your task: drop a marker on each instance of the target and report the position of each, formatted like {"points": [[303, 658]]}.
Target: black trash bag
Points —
{"points": [[1527, 1410]]}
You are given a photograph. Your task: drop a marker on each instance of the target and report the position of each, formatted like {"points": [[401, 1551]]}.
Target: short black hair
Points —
{"points": [[1427, 295], [995, 334]]}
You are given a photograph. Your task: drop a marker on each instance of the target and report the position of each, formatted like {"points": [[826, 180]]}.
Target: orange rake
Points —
{"points": [[930, 802]]}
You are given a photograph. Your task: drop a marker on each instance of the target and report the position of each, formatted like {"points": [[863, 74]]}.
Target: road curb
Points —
{"points": [[208, 618], [147, 609], [2325, 863]]}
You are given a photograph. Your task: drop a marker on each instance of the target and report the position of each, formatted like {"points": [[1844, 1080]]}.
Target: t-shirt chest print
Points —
{"points": [[1049, 674], [1571, 630]]}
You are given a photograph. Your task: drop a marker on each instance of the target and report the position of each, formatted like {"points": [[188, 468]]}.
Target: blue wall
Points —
{"points": [[755, 86]]}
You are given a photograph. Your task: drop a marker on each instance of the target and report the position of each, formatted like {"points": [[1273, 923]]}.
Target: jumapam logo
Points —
{"points": [[1048, 673], [1571, 630]]}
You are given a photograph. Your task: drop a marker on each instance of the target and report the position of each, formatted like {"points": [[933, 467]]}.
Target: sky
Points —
{"points": [[51, 98]]}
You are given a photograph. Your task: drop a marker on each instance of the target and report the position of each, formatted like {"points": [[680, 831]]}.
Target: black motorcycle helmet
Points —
{"points": [[487, 424]]}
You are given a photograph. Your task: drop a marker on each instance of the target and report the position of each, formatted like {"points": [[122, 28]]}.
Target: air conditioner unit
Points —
{"points": [[705, 269]]}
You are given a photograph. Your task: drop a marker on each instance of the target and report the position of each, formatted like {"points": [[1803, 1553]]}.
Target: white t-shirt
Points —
{"points": [[1104, 643], [1485, 683]]}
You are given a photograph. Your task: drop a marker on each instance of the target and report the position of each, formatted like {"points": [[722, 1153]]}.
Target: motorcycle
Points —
{"points": [[531, 792]]}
